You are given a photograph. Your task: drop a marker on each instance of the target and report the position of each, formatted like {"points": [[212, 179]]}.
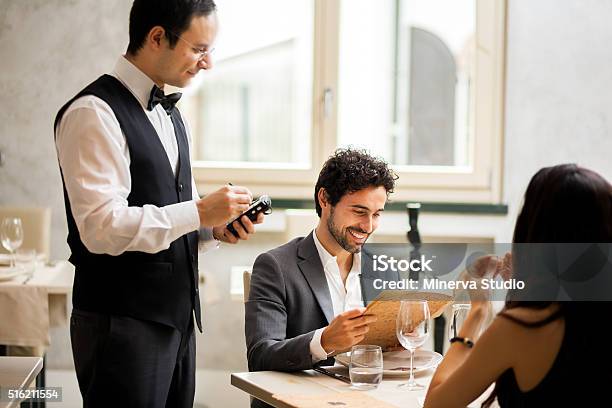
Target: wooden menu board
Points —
{"points": [[386, 307]]}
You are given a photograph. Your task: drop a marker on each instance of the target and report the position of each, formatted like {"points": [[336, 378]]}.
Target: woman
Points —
{"points": [[539, 353]]}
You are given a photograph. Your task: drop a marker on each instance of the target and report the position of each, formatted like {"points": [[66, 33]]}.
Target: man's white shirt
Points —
{"points": [[95, 163], [343, 297]]}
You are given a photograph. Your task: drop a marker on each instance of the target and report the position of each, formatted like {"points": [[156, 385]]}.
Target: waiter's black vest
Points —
{"points": [[160, 287]]}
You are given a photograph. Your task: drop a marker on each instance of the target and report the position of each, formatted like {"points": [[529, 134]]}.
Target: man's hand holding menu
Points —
{"points": [[346, 330]]}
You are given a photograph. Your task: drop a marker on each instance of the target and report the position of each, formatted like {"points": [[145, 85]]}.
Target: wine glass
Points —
{"points": [[11, 234], [412, 329]]}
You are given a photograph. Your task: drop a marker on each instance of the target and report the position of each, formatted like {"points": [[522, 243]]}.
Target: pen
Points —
{"points": [[332, 374]]}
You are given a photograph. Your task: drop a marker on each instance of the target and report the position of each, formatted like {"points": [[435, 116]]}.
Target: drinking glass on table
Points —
{"points": [[25, 259], [366, 366], [412, 329], [460, 313], [11, 235]]}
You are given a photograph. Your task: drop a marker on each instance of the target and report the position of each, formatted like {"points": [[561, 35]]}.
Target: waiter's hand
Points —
{"points": [[224, 235], [223, 205]]}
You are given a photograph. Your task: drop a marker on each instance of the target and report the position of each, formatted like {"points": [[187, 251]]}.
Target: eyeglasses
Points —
{"points": [[200, 52]]}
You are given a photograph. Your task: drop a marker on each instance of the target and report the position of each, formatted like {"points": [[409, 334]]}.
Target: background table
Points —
{"points": [[28, 310], [18, 373], [56, 276]]}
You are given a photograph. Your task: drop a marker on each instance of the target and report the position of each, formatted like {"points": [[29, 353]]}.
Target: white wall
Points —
{"points": [[49, 50], [558, 90]]}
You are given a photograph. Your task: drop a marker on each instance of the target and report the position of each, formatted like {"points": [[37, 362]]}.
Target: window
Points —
{"points": [[418, 63], [254, 107], [419, 82]]}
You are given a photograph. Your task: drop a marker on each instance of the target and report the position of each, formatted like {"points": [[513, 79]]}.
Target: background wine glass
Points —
{"points": [[11, 235], [412, 329]]}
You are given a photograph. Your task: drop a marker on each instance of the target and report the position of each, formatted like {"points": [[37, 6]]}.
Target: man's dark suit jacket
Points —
{"points": [[288, 300]]}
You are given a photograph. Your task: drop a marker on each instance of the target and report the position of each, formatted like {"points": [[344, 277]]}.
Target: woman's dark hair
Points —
{"points": [[563, 204], [173, 15], [350, 170]]}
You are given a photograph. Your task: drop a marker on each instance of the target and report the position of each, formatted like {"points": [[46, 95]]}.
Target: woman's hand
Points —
{"points": [[504, 266], [487, 267], [484, 267]]}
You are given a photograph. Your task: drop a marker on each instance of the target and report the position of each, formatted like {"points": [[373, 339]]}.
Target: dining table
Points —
{"points": [[31, 303], [310, 388]]}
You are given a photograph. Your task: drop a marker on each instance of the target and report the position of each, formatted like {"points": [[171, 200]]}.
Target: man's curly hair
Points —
{"points": [[350, 170]]}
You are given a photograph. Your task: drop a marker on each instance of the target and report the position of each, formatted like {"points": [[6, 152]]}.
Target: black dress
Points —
{"points": [[579, 377]]}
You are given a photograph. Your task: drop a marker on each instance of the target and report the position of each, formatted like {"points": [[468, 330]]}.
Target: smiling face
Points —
{"points": [[355, 217], [179, 65]]}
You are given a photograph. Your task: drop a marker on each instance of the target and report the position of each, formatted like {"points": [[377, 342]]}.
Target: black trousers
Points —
{"points": [[126, 362]]}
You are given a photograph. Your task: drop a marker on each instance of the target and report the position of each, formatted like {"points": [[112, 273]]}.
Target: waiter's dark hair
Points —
{"points": [[173, 15], [350, 170]]}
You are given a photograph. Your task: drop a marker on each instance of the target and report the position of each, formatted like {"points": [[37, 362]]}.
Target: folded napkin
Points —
{"points": [[5, 259]]}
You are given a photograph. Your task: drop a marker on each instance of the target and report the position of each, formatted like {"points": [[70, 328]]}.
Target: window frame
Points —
{"points": [[480, 183]]}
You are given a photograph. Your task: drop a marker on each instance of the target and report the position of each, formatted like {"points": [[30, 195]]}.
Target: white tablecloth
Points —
{"points": [[27, 311]]}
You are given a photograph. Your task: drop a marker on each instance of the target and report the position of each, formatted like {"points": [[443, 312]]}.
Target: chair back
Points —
{"points": [[36, 222], [246, 283]]}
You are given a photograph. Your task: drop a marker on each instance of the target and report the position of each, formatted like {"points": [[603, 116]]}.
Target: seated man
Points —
{"points": [[307, 296]]}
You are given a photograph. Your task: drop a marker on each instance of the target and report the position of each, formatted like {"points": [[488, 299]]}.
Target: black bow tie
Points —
{"points": [[167, 101]]}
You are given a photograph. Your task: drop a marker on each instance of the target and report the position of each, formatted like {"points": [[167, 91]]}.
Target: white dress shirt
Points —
{"points": [[95, 163], [343, 296]]}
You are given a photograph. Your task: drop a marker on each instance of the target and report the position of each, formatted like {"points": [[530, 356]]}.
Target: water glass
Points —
{"points": [[25, 259], [460, 313], [11, 235], [412, 329], [366, 367]]}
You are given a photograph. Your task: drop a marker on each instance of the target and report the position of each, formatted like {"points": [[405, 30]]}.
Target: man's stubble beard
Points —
{"points": [[341, 239]]}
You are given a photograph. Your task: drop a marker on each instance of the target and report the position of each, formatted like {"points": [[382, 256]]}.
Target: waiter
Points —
{"points": [[134, 213]]}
